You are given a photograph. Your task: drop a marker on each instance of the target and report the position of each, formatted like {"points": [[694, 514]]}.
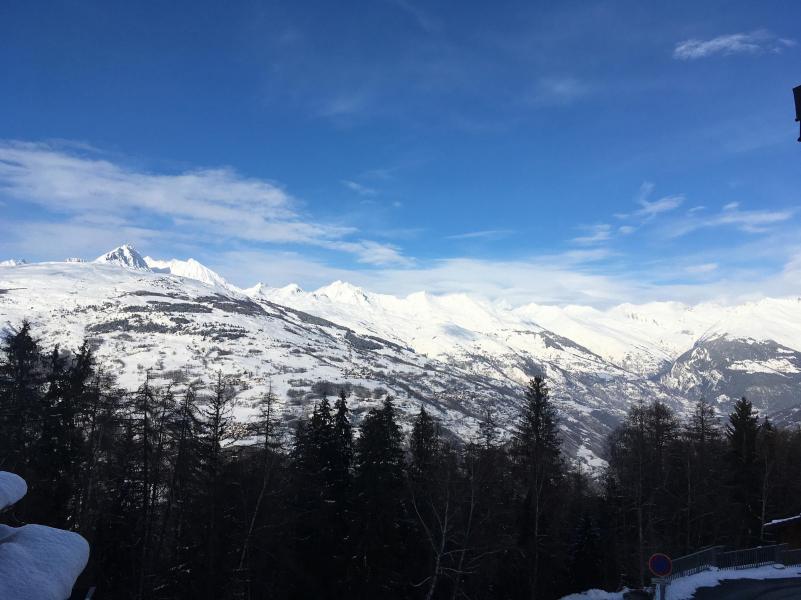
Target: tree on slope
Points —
{"points": [[741, 434], [539, 467]]}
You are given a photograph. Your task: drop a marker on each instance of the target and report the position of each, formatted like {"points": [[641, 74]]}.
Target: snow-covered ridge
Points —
{"points": [[456, 353], [190, 268]]}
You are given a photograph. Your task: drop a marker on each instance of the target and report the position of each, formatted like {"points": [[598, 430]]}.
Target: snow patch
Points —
{"points": [[685, 587], [771, 365]]}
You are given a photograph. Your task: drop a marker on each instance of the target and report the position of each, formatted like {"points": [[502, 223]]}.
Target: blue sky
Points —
{"points": [[588, 152]]}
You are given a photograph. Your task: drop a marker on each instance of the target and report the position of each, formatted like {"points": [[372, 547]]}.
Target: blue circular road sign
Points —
{"points": [[660, 565]]}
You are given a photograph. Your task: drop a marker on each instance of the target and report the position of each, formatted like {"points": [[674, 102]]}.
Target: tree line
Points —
{"points": [[172, 509]]}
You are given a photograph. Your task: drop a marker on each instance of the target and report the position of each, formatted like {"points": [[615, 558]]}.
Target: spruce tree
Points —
{"points": [[380, 529], [539, 468], [744, 481]]}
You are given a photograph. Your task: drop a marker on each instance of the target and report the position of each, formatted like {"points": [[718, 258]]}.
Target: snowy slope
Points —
{"points": [[183, 329], [646, 338], [457, 354]]}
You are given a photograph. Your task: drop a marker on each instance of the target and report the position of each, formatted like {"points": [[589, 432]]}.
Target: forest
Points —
{"points": [[177, 500]]}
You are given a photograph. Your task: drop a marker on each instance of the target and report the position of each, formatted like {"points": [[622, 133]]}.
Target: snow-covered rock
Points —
{"points": [[36, 562]]}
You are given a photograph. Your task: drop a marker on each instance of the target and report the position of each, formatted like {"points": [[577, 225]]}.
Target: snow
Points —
{"points": [[13, 262], [685, 587], [771, 365], [588, 457], [124, 256], [12, 489], [40, 563], [191, 269], [596, 595], [36, 562], [785, 520], [459, 353]]}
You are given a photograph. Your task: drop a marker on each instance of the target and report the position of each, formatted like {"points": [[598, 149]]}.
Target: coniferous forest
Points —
{"points": [[178, 501]]}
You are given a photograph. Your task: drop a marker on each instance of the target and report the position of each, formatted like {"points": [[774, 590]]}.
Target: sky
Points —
{"points": [[572, 152]]}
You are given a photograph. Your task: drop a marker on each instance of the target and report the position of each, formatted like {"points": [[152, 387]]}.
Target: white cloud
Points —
{"points": [[651, 209], [626, 229], [360, 189], [485, 234], [597, 234], [215, 203], [702, 268], [755, 42], [566, 278], [749, 221], [648, 208]]}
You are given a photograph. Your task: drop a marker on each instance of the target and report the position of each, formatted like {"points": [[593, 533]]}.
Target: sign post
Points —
{"points": [[661, 567], [797, 97]]}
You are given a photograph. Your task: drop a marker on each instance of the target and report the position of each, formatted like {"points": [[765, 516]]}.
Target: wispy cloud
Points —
{"points": [[601, 232], [748, 221], [701, 269], [486, 234], [755, 42], [213, 203], [651, 208], [359, 188]]}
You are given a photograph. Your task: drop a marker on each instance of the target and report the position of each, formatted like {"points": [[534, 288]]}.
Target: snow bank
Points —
{"points": [[12, 489], [40, 563], [685, 588], [36, 562], [596, 595]]}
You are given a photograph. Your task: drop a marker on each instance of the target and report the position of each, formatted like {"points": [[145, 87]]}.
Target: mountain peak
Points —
{"points": [[342, 291], [124, 256], [190, 268]]}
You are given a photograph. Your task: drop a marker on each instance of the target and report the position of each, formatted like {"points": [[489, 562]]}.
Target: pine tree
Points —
{"points": [[379, 484], [539, 467], [424, 446], [21, 381], [741, 433]]}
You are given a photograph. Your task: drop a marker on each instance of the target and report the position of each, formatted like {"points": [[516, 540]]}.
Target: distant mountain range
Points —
{"points": [[460, 356]]}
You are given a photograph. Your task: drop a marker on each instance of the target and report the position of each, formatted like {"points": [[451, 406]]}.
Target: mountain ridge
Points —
{"points": [[458, 355]]}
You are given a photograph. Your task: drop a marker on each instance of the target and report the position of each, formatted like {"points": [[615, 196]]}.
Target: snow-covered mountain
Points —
{"points": [[124, 256], [456, 354], [191, 269]]}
